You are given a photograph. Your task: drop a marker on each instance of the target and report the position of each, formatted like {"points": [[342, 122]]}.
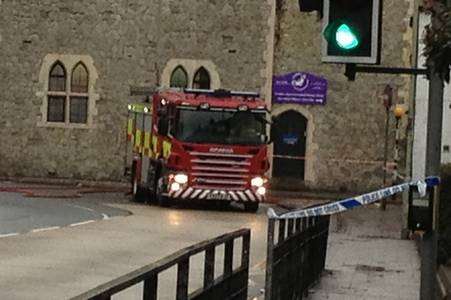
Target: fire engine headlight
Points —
{"points": [[175, 187], [261, 191], [243, 108], [181, 178], [257, 182]]}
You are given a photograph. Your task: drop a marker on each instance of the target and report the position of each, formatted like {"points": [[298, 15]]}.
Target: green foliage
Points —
{"points": [[438, 39]]}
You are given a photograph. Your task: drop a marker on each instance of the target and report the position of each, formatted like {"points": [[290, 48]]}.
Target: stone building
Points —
{"points": [[67, 67]]}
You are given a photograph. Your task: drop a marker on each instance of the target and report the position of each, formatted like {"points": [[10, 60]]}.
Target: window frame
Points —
{"points": [[68, 94], [78, 95]]}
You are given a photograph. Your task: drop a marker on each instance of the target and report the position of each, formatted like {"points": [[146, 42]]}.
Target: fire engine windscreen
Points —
{"points": [[220, 127]]}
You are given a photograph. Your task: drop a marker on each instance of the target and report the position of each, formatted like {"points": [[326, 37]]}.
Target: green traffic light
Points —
{"points": [[346, 38]]}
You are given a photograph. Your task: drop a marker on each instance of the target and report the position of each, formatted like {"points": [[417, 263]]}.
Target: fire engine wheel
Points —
{"points": [[137, 192], [251, 206], [162, 200]]}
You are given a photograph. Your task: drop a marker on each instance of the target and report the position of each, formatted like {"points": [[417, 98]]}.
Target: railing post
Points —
{"points": [[150, 288], [269, 259], [298, 225], [209, 267], [290, 227], [245, 254], [281, 231], [228, 258], [245, 250], [182, 279]]}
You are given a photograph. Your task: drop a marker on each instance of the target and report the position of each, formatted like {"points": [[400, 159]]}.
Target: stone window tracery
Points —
{"points": [[190, 73], [67, 87], [68, 103]]}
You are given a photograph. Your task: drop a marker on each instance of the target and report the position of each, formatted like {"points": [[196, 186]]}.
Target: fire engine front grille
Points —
{"points": [[220, 171]]}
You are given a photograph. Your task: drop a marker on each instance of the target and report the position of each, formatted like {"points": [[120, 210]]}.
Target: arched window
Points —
{"points": [[79, 94], [201, 79], [57, 79], [56, 107], [67, 97], [80, 79], [179, 78]]}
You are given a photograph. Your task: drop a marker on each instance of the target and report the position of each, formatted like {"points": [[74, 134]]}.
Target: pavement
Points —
{"points": [[366, 259]]}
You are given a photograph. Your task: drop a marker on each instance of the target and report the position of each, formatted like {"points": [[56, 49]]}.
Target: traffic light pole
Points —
{"points": [[352, 69], [433, 162]]}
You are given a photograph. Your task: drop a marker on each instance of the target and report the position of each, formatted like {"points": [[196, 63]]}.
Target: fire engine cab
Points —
{"points": [[199, 145]]}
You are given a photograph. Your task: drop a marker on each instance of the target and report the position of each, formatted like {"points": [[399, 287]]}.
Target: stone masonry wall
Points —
{"points": [[348, 132], [129, 42]]}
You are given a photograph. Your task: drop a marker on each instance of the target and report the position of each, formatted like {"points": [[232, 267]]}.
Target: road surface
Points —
{"points": [[19, 214], [64, 261]]}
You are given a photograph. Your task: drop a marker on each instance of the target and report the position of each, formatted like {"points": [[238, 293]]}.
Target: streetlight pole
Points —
{"points": [[388, 100]]}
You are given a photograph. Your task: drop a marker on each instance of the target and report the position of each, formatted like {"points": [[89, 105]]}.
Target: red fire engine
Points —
{"points": [[199, 145]]}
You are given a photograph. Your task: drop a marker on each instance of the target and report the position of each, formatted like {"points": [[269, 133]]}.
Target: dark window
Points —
{"points": [[80, 79], [57, 78], [78, 109], [201, 79], [220, 127], [179, 78], [56, 109]]}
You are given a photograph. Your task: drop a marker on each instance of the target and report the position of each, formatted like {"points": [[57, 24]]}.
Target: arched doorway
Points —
{"points": [[289, 135]]}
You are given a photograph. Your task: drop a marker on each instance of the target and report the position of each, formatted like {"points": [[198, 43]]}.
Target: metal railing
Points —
{"points": [[296, 256], [231, 285]]}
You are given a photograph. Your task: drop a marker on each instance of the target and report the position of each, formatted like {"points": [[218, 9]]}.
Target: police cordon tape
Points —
{"points": [[350, 203]]}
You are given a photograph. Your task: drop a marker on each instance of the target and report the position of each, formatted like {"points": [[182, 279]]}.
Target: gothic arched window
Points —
{"points": [[79, 94], [56, 99], [68, 105], [201, 79], [179, 78]]}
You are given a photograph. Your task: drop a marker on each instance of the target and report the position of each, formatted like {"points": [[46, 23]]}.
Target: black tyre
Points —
{"points": [[138, 193], [162, 200], [251, 206], [152, 178]]}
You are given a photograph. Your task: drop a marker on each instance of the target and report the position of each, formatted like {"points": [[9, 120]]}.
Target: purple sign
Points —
{"points": [[299, 87]]}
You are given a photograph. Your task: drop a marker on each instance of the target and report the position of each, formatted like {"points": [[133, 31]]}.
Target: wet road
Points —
{"points": [[19, 214], [64, 262]]}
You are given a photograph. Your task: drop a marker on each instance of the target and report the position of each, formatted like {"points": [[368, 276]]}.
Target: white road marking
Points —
{"points": [[81, 223], [46, 229], [82, 207], [8, 235]]}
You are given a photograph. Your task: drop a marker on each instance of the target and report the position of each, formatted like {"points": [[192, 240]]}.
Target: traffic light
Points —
{"points": [[351, 30], [311, 5]]}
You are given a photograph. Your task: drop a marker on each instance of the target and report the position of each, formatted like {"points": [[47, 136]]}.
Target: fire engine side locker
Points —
{"points": [[146, 153], [138, 131]]}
